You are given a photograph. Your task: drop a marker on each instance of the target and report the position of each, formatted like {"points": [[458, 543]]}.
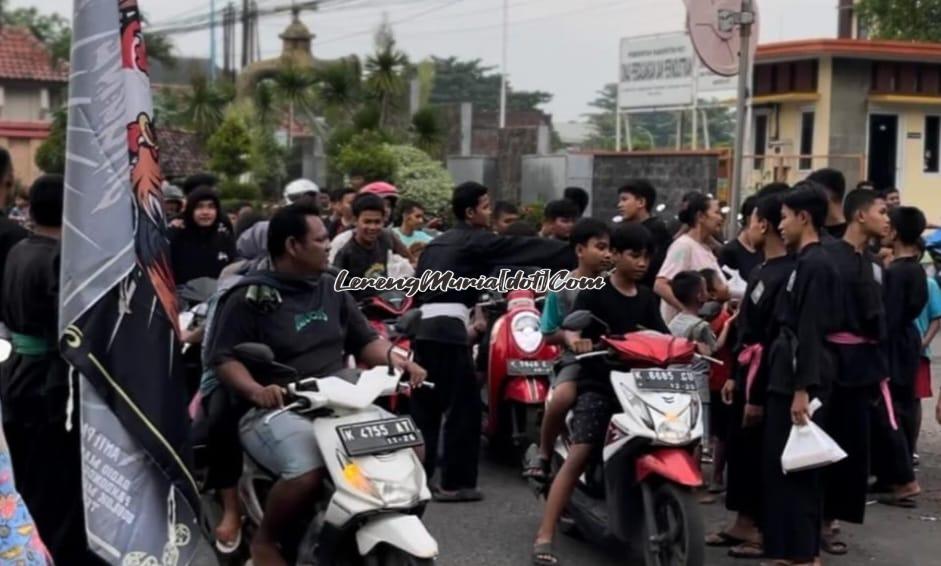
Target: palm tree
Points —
{"points": [[294, 87], [339, 89], [427, 130], [264, 101], [204, 105], [385, 71]]}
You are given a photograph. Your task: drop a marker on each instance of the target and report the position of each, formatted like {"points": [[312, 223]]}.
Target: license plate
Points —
{"points": [[383, 435], [672, 380], [529, 367]]}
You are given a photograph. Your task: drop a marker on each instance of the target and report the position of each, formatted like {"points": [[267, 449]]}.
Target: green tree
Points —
{"points": [[230, 146], [293, 87], [56, 33], [913, 20], [367, 153], [340, 89], [50, 156], [428, 131], [456, 81], [385, 74], [203, 105]]}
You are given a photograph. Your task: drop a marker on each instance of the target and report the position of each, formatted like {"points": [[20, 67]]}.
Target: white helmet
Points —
{"points": [[299, 187]]}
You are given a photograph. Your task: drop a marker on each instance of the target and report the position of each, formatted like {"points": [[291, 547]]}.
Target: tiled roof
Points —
{"points": [[24, 57], [181, 153], [852, 48]]}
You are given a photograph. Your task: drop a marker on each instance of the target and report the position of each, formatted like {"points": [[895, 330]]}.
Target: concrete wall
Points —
{"points": [[545, 177], [477, 168], [671, 173], [849, 115], [917, 187], [23, 152]]}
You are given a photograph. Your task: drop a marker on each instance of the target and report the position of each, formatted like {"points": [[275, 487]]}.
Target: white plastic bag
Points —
{"points": [[398, 267], [736, 284], [809, 447]]}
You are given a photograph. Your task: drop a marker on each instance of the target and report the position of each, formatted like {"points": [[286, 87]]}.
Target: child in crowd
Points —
{"points": [[928, 323], [367, 253], [625, 307], [591, 241], [718, 314]]}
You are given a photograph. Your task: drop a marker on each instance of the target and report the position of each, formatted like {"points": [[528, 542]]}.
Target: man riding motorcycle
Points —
{"points": [[295, 310]]}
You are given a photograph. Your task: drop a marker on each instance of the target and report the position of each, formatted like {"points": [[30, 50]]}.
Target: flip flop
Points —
{"points": [[831, 544], [543, 555], [465, 495], [723, 539], [229, 547], [748, 550]]}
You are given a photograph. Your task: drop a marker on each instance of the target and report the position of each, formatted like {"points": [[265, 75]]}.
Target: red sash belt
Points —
{"points": [[751, 356]]}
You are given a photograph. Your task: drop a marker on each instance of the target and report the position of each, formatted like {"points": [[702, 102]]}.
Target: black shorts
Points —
{"points": [[590, 417]]}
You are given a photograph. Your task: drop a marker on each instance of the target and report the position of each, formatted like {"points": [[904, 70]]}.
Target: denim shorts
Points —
{"points": [[286, 446]]}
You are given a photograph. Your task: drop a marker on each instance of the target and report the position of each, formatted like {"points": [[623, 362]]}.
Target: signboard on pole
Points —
{"points": [[657, 71]]}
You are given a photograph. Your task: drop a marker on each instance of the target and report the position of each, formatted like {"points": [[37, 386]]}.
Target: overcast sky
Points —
{"points": [[566, 47]]}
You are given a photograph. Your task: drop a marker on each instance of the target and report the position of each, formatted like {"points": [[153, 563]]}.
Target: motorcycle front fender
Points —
{"points": [[674, 464], [527, 390], [405, 532]]}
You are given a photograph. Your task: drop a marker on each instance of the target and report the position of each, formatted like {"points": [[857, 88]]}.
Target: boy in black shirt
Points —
{"points": [[636, 200], [741, 254], [799, 367], [625, 306], [906, 294], [367, 253]]}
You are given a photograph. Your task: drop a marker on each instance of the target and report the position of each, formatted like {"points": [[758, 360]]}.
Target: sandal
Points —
{"points": [[748, 550], [537, 469], [543, 555], [723, 539], [831, 544]]}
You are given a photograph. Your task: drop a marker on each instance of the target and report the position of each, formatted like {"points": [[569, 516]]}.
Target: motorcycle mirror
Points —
{"points": [[408, 323], [254, 352], [577, 320], [6, 348]]}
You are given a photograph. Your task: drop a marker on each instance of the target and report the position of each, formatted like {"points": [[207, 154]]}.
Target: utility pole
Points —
{"points": [[745, 20], [245, 33], [212, 40], [506, 35]]}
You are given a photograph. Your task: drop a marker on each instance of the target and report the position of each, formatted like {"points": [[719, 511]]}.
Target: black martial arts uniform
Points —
{"points": [[861, 367], [757, 328], [34, 390], [906, 294], [798, 360], [442, 348]]}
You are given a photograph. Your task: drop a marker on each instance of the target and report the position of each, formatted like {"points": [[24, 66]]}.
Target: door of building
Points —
{"points": [[883, 150]]}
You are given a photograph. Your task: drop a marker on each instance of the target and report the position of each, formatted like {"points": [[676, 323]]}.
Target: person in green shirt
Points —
{"points": [[591, 240], [409, 231]]}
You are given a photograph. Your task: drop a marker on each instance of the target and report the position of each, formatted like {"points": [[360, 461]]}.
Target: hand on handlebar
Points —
{"points": [[269, 397], [580, 345]]}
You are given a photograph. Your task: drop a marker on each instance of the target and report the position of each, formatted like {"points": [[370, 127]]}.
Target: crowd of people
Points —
{"points": [[821, 296]]}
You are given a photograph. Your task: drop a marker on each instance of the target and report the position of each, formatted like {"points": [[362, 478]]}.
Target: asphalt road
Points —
{"points": [[499, 531]]}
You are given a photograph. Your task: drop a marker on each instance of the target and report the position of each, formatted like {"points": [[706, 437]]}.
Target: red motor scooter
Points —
{"points": [[639, 488], [383, 311], [519, 368]]}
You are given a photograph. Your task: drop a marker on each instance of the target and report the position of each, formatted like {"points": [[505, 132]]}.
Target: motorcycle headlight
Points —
{"points": [[673, 431], [390, 493], [639, 407], [525, 330]]}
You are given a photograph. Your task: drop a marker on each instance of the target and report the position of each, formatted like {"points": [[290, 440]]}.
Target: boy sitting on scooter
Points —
{"points": [[591, 240], [624, 306]]}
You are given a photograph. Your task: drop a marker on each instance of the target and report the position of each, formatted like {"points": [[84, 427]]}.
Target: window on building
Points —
{"points": [[932, 143], [807, 141], [761, 140]]}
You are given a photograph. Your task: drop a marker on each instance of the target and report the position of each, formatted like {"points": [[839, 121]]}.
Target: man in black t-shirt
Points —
{"points": [[636, 200], [367, 253], [311, 327]]}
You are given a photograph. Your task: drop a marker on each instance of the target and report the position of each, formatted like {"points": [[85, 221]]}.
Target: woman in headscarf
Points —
{"points": [[204, 245]]}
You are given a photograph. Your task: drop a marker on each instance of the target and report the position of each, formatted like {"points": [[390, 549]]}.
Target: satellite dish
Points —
{"points": [[716, 35]]}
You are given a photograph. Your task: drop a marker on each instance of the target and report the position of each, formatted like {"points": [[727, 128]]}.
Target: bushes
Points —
{"points": [[420, 178]]}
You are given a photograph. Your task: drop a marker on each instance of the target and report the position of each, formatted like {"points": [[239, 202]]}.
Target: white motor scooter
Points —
{"points": [[370, 507], [640, 489]]}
